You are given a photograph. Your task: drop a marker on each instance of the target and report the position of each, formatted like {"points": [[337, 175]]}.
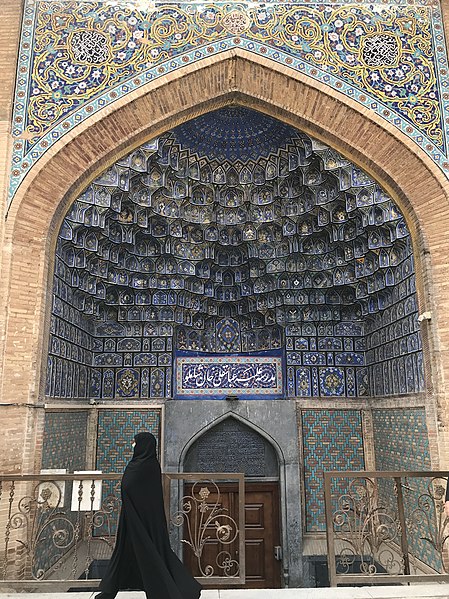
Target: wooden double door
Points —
{"points": [[262, 534]]}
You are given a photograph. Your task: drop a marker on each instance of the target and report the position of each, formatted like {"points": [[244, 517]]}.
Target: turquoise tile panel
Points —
{"points": [[332, 440]]}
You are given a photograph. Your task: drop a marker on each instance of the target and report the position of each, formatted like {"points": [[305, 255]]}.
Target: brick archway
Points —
{"points": [[33, 221]]}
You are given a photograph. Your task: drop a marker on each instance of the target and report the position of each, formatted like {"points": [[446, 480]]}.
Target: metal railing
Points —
{"points": [[59, 530], [386, 527], [200, 510]]}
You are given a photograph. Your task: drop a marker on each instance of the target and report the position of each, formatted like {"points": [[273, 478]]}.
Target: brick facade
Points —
{"points": [[29, 233], [15, 418]]}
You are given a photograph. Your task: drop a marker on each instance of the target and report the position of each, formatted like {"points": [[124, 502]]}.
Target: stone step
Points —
{"points": [[417, 591]]}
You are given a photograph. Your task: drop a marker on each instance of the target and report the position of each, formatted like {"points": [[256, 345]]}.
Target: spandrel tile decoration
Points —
{"points": [[389, 58]]}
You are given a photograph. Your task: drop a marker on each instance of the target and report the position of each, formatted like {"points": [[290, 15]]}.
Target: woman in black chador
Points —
{"points": [[142, 558]]}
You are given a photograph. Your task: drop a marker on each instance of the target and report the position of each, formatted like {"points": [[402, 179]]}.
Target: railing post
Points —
{"points": [[242, 550], [8, 528], [401, 514], [205, 518], [330, 530]]}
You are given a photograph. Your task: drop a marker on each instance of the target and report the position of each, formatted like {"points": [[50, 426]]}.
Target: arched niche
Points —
{"points": [[41, 202], [229, 446], [327, 275], [274, 425], [232, 446]]}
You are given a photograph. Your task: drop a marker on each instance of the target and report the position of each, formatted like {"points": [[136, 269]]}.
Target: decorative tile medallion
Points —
{"points": [[127, 383], [332, 381]]}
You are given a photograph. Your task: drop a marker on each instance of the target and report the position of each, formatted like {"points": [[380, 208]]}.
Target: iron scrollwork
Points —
{"points": [[367, 530], [429, 521], [52, 533], [199, 518]]}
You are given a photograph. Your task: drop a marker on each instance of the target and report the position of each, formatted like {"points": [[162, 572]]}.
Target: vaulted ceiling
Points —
{"points": [[231, 214]]}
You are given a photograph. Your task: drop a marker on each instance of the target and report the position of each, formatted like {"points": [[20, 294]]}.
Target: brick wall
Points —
{"points": [[29, 234], [15, 454]]}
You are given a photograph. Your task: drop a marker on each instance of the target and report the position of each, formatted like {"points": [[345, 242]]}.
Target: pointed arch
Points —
{"points": [[231, 415], [233, 77]]}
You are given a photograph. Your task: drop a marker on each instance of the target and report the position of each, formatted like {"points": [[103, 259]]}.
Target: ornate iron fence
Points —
{"points": [[200, 512], [56, 528], [59, 530], [386, 527]]}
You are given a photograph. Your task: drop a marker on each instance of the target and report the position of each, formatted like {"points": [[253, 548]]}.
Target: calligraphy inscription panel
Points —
{"points": [[232, 451], [219, 376]]}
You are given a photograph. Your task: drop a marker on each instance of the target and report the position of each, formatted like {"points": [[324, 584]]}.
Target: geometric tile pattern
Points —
{"points": [[401, 439], [388, 59], [116, 429], [65, 439], [295, 242], [401, 443], [332, 440], [115, 432], [64, 446]]}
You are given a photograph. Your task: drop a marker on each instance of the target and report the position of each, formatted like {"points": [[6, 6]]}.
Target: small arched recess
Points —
{"points": [[233, 446]]}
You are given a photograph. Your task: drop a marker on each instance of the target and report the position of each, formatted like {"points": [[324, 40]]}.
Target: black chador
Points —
{"points": [[142, 558]]}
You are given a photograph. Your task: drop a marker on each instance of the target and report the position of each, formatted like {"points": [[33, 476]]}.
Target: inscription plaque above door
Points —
{"points": [[203, 376]]}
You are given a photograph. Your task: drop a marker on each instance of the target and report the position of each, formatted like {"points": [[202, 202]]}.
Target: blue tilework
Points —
{"points": [[64, 446], [65, 438], [401, 443], [74, 86], [170, 299], [400, 439], [116, 429], [332, 440], [254, 376], [69, 368], [235, 135], [394, 349], [127, 384], [332, 381]]}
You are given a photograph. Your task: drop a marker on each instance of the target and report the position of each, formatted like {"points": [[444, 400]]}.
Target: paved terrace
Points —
{"points": [[417, 591]]}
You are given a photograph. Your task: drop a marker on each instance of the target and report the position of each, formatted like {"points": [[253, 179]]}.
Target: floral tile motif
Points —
{"points": [[77, 57], [332, 381], [127, 383]]}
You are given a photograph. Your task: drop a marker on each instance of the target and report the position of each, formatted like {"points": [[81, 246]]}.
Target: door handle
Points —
{"points": [[278, 553]]}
